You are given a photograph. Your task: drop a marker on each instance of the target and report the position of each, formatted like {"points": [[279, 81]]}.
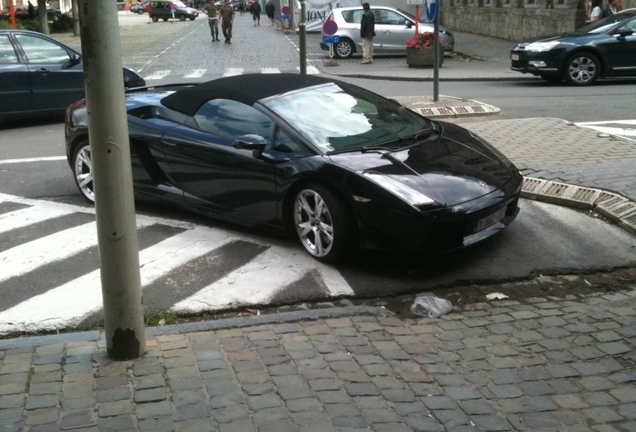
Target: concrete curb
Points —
{"points": [[201, 326]]}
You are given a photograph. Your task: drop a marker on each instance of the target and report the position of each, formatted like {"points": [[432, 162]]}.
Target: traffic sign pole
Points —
{"points": [[303, 40]]}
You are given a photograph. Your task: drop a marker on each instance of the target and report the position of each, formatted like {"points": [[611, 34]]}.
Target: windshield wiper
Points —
{"points": [[364, 149]]}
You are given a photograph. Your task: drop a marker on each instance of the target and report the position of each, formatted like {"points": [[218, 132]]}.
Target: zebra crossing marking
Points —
{"points": [[233, 71], [274, 267], [197, 73], [200, 73], [157, 75]]}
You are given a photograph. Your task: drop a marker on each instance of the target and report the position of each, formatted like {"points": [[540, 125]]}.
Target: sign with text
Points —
{"points": [[330, 39]]}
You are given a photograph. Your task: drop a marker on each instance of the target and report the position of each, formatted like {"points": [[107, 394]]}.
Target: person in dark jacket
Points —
{"points": [[269, 10], [367, 32], [256, 12], [610, 9]]}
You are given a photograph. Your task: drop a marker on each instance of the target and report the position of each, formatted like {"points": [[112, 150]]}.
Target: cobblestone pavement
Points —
{"points": [[555, 149], [542, 364]]}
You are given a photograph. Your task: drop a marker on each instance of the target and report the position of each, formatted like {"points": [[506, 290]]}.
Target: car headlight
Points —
{"points": [[403, 191], [542, 46]]}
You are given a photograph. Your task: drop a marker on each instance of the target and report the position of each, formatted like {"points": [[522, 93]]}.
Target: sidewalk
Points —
{"points": [[540, 364]]}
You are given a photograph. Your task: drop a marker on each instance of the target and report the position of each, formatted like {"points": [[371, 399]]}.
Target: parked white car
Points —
{"points": [[393, 27]]}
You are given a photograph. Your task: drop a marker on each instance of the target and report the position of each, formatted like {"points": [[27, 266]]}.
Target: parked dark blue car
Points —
{"points": [[39, 75], [605, 48]]}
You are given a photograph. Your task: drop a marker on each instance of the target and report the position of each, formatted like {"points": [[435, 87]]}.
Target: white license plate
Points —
{"points": [[490, 220], [514, 57]]}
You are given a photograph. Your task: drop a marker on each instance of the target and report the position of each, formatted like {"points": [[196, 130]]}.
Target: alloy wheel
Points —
{"points": [[314, 223], [582, 69], [83, 170]]}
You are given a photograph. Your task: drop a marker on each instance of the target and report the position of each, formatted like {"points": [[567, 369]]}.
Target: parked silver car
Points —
{"points": [[393, 27]]}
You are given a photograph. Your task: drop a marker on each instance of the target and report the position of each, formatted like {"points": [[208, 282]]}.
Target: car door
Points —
{"points": [[621, 52], [214, 174], [394, 30], [57, 78], [15, 81]]}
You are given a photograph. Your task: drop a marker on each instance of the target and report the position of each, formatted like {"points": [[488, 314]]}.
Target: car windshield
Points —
{"points": [[180, 4], [412, 17], [339, 117], [602, 25]]}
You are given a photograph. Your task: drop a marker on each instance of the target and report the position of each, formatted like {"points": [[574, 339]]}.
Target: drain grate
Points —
{"points": [[570, 195], [453, 111], [531, 186], [612, 205]]}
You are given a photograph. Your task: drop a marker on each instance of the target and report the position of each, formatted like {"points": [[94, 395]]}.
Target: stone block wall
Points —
{"points": [[513, 20]]}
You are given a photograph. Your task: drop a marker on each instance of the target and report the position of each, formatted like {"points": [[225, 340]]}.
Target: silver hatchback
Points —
{"points": [[393, 27]]}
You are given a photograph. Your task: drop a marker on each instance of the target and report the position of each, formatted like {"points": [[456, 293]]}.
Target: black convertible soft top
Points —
{"points": [[247, 89]]}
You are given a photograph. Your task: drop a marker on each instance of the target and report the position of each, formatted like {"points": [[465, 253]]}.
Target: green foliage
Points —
{"points": [[61, 24], [160, 318]]}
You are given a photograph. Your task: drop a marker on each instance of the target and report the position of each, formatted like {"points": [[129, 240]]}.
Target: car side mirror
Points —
{"points": [[75, 59], [623, 32], [409, 24], [253, 142]]}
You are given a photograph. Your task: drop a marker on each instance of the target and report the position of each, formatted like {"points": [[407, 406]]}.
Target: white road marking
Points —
{"points": [[157, 75], [311, 70], [233, 71], [71, 303], [31, 215], [270, 70], [27, 160], [260, 280], [612, 127], [197, 73]]}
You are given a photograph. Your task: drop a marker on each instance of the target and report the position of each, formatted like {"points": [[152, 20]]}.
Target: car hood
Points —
{"points": [[563, 37], [451, 168]]}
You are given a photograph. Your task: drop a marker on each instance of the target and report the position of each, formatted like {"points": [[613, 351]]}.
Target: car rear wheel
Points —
{"points": [[581, 69], [182, 17], [165, 19], [344, 49], [155, 19], [83, 170], [140, 11], [323, 223]]}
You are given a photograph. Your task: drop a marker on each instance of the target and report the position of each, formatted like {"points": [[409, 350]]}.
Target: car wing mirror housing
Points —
{"points": [[623, 32], [409, 24], [75, 59], [253, 142]]}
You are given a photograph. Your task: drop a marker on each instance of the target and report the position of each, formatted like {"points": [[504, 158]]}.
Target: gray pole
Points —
{"points": [[75, 9], [436, 53], [302, 39], [112, 180]]}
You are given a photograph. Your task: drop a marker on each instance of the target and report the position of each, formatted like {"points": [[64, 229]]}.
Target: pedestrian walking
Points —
{"points": [[173, 10], [31, 10], [269, 10], [213, 19], [256, 12], [227, 17], [242, 6], [596, 10], [610, 9], [148, 10], [367, 33]]}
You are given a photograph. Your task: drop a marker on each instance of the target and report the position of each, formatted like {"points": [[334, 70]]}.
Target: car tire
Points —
{"points": [[140, 11], [182, 17], [155, 19], [330, 235], [581, 69], [344, 49], [192, 18], [165, 19], [83, 170]]}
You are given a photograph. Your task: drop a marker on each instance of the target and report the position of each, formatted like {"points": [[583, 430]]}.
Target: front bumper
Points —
{"points": [[537, 63], [439, 230]]}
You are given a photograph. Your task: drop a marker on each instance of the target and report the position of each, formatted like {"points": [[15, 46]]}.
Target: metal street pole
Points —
{"points": [[12, 13], [436, 53], [112, 180], [303, 40]]}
